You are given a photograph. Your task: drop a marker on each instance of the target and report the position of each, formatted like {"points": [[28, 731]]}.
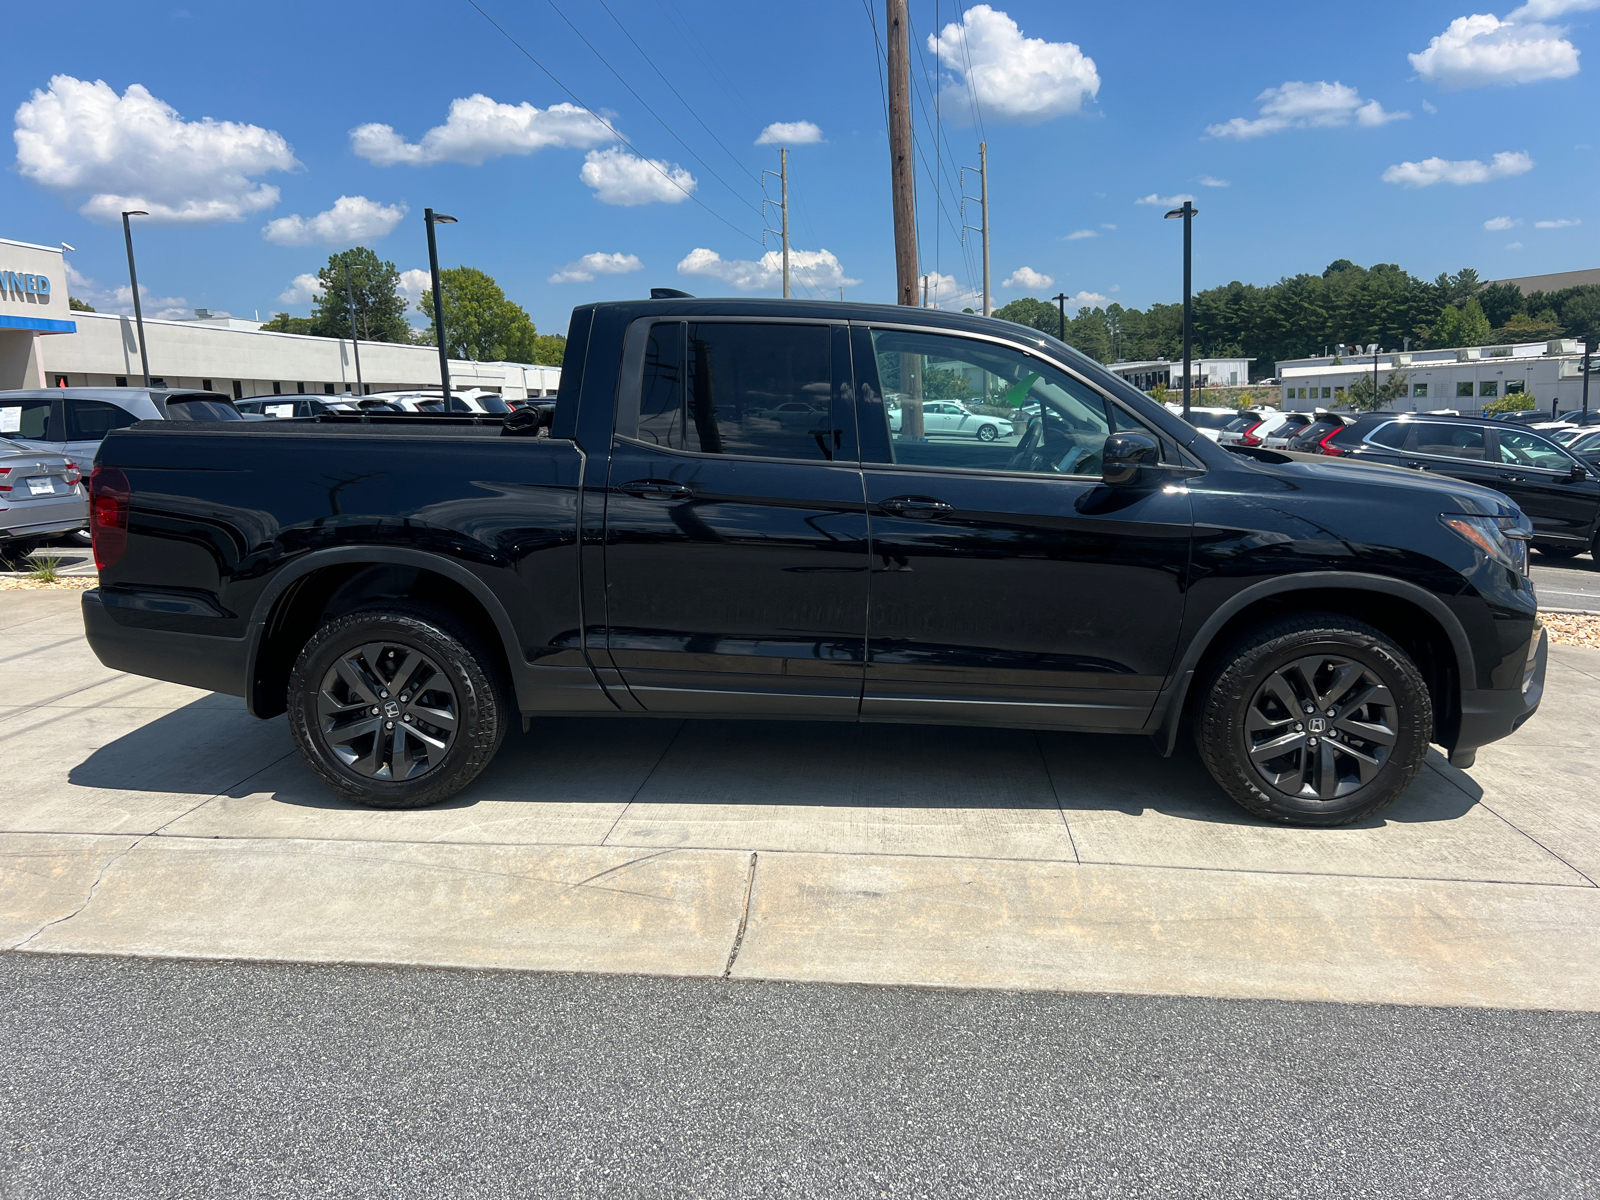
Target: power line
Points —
{"points": [[674, 90], [634, 150], [622, 80]]}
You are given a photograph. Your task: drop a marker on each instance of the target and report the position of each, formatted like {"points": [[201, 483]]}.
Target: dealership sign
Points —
{"points": [[18, 284]]}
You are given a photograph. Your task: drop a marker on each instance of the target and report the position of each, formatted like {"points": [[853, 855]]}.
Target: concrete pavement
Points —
{"points": [[140, 818]]}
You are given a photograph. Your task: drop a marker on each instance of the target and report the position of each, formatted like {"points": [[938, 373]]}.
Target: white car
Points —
{"points": [[1268, 425], [952, 417], [475, 400], [1293, 427], [1209, 421]]}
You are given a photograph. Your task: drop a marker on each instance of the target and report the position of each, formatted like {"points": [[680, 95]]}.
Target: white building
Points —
{"points": [[1203, 372], [1464, 379], [42, 344]]}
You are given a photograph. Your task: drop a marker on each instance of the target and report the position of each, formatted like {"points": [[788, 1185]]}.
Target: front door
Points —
{"points": [[1009, 585], [1538, 477], [736, 531]]}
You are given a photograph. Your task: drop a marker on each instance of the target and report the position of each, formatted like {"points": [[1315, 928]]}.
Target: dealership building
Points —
{"points": [[1464, 379], [43, 344]]}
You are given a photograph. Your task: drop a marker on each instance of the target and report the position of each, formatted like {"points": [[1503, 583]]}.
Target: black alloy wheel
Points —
{"points": [[397, 707], [1316, 719], [988, 433]]}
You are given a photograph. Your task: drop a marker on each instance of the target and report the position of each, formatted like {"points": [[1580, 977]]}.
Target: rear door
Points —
{"points": [[1538, 476], [736, 536], [1009, 585], [88, 421], [27, 422]]}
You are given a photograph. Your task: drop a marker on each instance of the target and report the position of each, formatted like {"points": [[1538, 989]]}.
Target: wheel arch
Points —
{"points": [[1417, 621], [328, 583]]}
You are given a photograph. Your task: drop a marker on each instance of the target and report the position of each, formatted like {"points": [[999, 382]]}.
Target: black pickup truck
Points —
{"points": [[781, 509]]}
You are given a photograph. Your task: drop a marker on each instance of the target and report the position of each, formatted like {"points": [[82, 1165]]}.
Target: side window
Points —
{"points": [[90, 420], [757, 390], [1021, 414], [1450, 441], [1391, 436], [1528, 450], [25, 419]]}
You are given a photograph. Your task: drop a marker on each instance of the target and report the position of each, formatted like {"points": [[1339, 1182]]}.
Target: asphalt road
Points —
{"points": [[131, 1078], [1572, 584]]}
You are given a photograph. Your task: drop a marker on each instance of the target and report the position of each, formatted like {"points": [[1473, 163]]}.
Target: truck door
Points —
{"points": [[1009, 585], [736, 534]]}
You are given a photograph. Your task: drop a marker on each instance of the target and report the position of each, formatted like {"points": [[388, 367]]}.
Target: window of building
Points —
{"points": [[1338, 393], [763, 391], [1327, 393], [60, 381], [238, 389], [1515, 387], [205, 385], [327, 389], [277, 389], [300, 386], [1464, 389], [1288, 393], [1419, 390], [122, 381], [1489, 387]]}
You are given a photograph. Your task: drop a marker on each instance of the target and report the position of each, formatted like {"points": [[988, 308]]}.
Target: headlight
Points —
{"points": [[1503, 539]]}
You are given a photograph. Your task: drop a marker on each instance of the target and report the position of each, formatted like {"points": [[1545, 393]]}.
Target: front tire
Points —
{"points": [[988, 433], [396, 707], [1316, 719], [1559, 551]]}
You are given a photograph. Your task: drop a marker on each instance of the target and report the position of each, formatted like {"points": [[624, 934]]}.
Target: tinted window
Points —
{"points": [[1450, 441], [1203, 420], [182, 408], [1024, 415], [1392, 435], [91, 420], [764, 391], [1530, 450], [25, 418], [493, 403]]}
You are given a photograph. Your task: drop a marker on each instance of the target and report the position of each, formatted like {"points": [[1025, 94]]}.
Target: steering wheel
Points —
{"points": [[1027, 451]]}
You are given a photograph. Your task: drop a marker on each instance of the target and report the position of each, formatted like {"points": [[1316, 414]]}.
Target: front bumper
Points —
{"points": [[216, 664], [1487, 715]]}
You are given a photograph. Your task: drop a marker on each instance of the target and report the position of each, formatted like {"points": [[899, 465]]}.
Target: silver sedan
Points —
{"points": [[41, 496]]}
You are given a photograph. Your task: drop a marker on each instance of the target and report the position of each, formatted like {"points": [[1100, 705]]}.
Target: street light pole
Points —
{"points": [[1187, 212], [1061, 303], [133, 282], [1586, 379], [433, 219], [355, 335], [1374, 376]]}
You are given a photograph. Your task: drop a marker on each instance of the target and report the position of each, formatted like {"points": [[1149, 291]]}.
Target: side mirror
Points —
{"points": [[1127, 458], [1578, 473], [527, 422]]}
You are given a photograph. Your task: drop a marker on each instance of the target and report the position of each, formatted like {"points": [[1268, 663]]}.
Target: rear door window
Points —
{"points": [[91, 420], [1391, 436], [1450, 441], [28, 419], [1529, 450]]}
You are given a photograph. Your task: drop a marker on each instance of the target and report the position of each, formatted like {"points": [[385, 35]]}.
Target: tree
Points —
{"points": [[1523, 328], [1501, 302], [1581, 314], [549, 349], [380, 309], [480, 323], [1363, 397], [1515, 402], [76, 305], [284, 323], [1460, 326], [1035, 314]]}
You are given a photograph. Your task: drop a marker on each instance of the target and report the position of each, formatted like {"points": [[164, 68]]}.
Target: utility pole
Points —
{"points": [[1374, 376], [901, 176], [924, 291], [355, 343], [983, 204], [783, 208], [1061, 303], [1586, 378]]}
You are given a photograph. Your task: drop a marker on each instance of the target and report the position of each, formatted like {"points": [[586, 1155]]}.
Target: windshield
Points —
{"points": [[201, 408], [493, 403]]}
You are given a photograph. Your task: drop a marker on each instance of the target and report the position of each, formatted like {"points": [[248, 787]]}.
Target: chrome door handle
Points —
{"points": [[657, 489], [916, 508]]}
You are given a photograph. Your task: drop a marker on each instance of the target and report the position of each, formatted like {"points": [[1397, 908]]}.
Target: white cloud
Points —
{"points": [[479, 129], [1079, 234], [1088, 300], [1498, 224], [1298, 105], [415, 283], [1015, 78], [302, 290], [120, 299], [1027, 277], [1513, 245], [1213, 181], [1564, 223], [1438, 170], [583, 270], [1167, 201], [817, 270], [1482, 49], [351, 219], [945, 292], [790, 133], [1428, 108], [1113, 226], [135, 152], [620, 177]]}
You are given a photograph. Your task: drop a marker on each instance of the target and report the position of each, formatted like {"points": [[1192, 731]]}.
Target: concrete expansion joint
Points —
{"points": [[744, 916], [88, 897]]}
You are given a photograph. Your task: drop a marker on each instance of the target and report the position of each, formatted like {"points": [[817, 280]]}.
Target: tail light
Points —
{"points": [[72, 474], [108, 515], [5, 474], [1248, 437], [1326, 446]]}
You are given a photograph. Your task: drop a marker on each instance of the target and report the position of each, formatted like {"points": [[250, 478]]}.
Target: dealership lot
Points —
{"points": [[143, 818]]}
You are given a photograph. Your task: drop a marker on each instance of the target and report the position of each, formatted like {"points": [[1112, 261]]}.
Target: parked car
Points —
{"points": [[283, 407], [41, 497], [475, 401], [954, 419], [670, 551], [1555, 488], [1310, 439], [1266, 425], [1586, 445], [71, 421], [1290, 429], [1209, 421]]}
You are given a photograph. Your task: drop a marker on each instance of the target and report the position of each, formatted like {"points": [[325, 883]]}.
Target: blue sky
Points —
{"points": [[1423, 134]]}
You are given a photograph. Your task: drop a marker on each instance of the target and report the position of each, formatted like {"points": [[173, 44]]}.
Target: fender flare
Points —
{"points": [[397, 556], [1171, 703]]}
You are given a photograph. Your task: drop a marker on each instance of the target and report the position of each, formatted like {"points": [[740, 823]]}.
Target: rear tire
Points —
{"points": [[359, 678], [1559, 551], [1266, 734]]}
